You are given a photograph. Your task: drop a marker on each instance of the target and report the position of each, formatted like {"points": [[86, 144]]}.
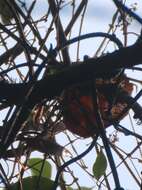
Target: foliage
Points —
{"points": [[32, 183], [36, 167], [100, 165]]}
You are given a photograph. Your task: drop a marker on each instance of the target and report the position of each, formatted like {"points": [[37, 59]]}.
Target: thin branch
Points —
{"points": [[120, 5], [101, 131], [75, 16], [61, 168], [61, 38]]}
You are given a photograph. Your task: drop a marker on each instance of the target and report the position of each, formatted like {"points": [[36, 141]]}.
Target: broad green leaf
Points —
{"points": [[70, 188], [36, 165], [100, 165], [32, 182]]}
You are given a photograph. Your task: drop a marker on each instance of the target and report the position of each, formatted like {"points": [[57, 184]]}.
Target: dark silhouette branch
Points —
{"points": [[61, 38], [75, 17], [101, 130], [127, 10], [52, 86]]}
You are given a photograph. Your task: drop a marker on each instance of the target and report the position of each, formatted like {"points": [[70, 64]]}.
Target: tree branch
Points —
{"points": [[52, 86]]}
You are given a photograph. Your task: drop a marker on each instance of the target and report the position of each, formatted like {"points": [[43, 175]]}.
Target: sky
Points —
{"points": [[97, 19]]}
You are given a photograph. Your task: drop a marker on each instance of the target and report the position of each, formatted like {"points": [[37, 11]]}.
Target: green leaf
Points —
{"points": [[100, 165], [69, 188], [32, 182], [36, 166]]}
